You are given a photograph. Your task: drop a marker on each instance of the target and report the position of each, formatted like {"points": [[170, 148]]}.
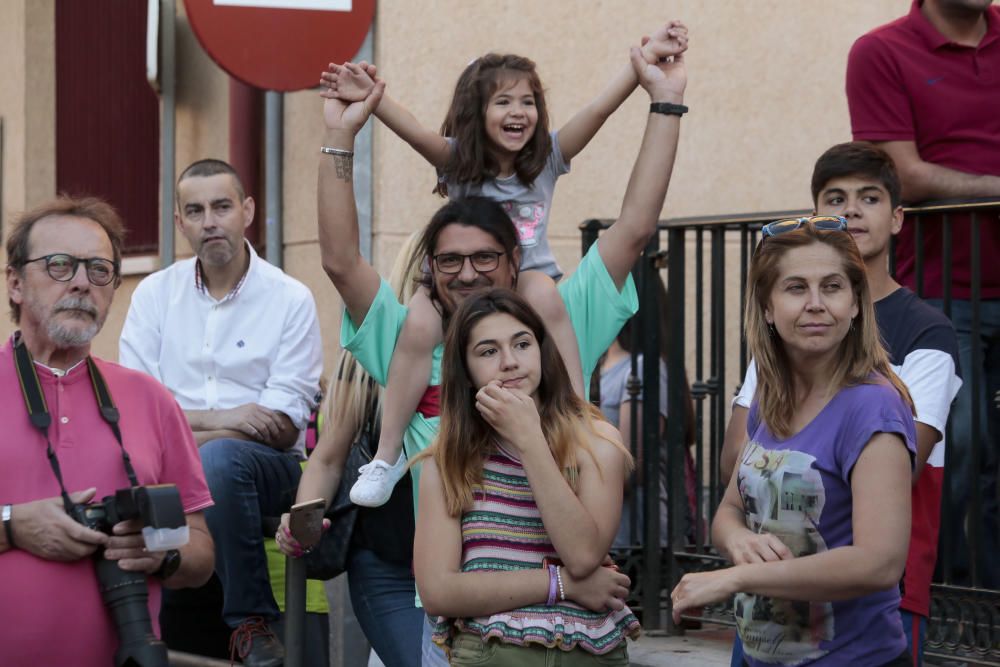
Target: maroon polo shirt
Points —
{"points": [[908, 82]]}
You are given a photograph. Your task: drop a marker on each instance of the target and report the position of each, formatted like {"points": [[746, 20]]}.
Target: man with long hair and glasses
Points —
{"points": [[63, 267], [858, 181]]}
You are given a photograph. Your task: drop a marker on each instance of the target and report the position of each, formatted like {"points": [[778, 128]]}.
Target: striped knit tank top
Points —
{"points": [[503, 531]]}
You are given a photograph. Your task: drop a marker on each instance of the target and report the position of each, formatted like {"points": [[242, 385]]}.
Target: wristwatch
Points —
{"points": [[171, 561], [7, 526]]}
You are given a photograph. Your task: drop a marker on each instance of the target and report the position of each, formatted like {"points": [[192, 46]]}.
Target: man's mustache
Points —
{"points": [[76, 303]]}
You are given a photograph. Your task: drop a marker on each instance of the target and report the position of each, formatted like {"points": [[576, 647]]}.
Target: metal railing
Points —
{"points": [[706, 261]]}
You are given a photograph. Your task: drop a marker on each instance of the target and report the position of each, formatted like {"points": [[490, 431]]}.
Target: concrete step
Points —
{"points": [[697, 648]]}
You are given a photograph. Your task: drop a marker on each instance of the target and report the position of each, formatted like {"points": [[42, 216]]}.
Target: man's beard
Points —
{"points": [[63, 335]]}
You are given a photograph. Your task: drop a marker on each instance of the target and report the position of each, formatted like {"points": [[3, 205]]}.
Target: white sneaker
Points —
{"points": [[377, 481]]}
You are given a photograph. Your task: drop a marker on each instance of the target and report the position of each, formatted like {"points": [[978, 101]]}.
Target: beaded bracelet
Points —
{"points": [[562, 591], [553, 579]]}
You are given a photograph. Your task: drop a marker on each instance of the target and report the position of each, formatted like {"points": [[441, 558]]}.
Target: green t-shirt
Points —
{"points": [[596, 309]]}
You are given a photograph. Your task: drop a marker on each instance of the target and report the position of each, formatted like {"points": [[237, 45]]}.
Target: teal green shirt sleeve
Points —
{"points": [[597, 310], [373, 343]]}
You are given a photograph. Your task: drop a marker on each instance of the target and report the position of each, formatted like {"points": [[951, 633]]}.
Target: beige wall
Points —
{"points": [[765, 88]]}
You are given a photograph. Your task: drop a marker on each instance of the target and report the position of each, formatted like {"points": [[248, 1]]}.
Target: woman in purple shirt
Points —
{"points": [[816, 521]]}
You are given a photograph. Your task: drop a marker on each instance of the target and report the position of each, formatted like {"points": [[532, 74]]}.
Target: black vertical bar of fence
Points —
{"points": [[677, 498], [589, 230], [945, 553], [651, 437], [918, 252], [717, 413], [975, 377], [744, 267], [892, 257], [633, 386], [698, 388]]}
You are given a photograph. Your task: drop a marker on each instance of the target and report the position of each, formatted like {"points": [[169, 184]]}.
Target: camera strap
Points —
{"points": [[38, 411]]}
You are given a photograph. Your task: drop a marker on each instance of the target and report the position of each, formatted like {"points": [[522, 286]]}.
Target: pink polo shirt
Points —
{"points": [[51, 613]]}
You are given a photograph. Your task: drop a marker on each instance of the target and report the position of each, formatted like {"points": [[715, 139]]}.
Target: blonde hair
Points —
{"points": [[861, 353]]}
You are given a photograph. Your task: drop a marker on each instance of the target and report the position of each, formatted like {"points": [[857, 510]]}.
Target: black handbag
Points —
{"points": [[329, 558]]}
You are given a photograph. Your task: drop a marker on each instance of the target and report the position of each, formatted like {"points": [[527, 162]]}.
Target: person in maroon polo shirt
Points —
{"points": [[926, 88]]}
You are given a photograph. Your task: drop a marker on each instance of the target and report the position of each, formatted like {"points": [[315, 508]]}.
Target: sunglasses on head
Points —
{"points": [[822, 223]]}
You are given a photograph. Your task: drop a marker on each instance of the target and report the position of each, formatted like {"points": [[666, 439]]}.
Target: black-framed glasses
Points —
{"points": [[62, 267], [823, 223], [483, 261]]}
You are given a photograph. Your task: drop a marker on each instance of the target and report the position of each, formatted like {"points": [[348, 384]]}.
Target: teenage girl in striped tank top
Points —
{"points": [[520, 498]]}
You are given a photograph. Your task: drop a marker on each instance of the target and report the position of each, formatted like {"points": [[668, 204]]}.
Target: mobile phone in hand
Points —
{"points": [[306, 522]]}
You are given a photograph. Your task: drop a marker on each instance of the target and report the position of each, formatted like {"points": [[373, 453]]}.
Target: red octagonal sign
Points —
{"points": [[280, 44]]}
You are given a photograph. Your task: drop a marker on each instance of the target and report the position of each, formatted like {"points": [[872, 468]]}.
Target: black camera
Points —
{"points": [[125, 593]]}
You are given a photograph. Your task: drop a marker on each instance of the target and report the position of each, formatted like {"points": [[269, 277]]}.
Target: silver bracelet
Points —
{"points": [[562, 591], [335, 151]]}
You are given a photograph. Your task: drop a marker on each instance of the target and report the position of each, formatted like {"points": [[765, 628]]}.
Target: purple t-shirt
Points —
{"points": [[800, 490]]}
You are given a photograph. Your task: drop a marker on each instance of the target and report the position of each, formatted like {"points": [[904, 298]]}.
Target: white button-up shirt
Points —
{"points": [[259, 344]]}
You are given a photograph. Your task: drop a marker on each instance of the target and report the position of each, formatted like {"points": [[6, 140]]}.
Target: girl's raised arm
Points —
{"points": [[353, 82], [667, 41]]}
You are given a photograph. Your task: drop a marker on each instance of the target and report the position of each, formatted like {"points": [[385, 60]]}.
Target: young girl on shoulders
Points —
{"points": [[520, 498], [495, 142]]}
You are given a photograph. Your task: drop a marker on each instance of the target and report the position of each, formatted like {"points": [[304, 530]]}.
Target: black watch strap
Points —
{"points": [[667, 108], [171, 563]]}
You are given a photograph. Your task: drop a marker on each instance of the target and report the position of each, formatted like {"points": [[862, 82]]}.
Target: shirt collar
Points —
{"points": [[199, 283], [15, 339], [935, 40], [58, 372]]}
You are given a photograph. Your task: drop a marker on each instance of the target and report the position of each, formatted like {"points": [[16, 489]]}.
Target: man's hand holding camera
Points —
{"points": [[43, 528], [128, 547]]}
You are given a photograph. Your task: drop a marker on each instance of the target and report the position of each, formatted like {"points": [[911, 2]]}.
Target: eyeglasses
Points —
{"points": [[822, 223], [483, 261], [62, 267]]}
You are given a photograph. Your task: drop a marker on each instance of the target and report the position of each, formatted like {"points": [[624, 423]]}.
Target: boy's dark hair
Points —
{"points": [[856, 158]]}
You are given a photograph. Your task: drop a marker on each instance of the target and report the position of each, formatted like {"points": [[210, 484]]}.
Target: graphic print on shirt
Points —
{"points": [[783, 495], [526, 216]]}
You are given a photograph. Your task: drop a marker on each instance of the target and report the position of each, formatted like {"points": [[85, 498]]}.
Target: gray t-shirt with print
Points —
{"points": [[527, 206]]}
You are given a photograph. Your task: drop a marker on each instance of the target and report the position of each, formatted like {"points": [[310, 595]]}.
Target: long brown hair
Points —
{"points": [[465, 439], [861, 352], [472, 160]]}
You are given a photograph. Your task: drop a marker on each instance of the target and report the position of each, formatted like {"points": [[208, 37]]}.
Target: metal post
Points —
{"points": [[168, 61], [588, 234], [295, 612], [975, 375], [677, 497], [652, 615], [273, 144]]}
